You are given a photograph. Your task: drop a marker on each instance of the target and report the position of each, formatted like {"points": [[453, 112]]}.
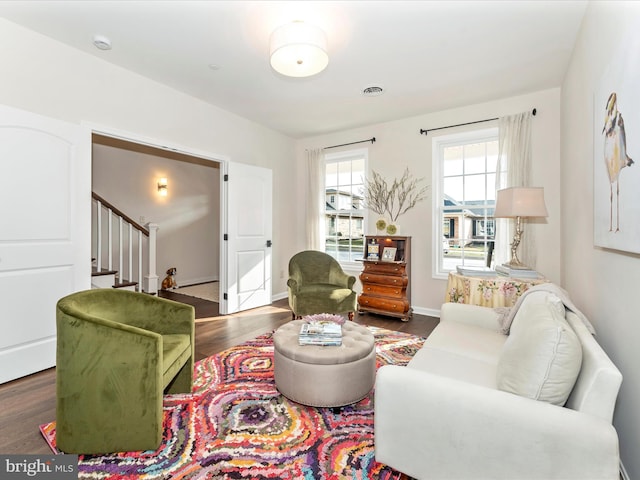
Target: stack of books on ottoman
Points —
{"points": [[324, 334]]}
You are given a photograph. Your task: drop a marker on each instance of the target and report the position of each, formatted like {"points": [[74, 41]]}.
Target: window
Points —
{"points": [[344, 212], [464, 172]]}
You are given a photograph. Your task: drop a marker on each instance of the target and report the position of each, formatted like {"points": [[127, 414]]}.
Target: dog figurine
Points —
{"points": [[170, 281]]}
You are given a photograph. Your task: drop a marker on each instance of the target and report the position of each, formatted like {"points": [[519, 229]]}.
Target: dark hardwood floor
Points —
{"points": [[204, 308], [29, 402]]}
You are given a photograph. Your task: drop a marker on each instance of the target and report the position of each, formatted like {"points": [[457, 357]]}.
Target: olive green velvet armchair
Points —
{"points": [[317, 284], [118, 352]]}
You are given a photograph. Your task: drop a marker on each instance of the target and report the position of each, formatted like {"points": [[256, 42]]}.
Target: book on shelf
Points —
{"points": [[472, 271], [324, 334], [372, 251], [517, 272]]}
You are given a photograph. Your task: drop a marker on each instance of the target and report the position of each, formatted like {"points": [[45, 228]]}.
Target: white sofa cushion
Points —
{"points": [[455, 366], [542, 356], [470, 341], [461, 351]]}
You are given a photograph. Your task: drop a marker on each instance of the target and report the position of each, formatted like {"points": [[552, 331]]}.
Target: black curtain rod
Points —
{"points": [[426, 131], [372, 139]]}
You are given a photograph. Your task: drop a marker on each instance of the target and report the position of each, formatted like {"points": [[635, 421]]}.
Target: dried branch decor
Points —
{"points": [[396, 199]]}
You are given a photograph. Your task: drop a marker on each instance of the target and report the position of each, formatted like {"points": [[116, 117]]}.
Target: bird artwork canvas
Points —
{"points": [[615, 156], [616, 178]]}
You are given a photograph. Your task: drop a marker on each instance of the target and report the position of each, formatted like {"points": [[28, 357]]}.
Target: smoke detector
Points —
{"points": [[372, 90], [101, 42]]}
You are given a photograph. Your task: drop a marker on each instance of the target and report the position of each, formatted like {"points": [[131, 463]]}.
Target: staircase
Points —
{"points": [[133, 246], [109, 279]]}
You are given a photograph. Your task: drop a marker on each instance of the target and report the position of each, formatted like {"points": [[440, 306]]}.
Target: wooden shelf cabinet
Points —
{"points": [[386, 285]]}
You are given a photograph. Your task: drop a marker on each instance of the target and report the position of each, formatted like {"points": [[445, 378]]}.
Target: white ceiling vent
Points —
{"points": [[372, 90]]}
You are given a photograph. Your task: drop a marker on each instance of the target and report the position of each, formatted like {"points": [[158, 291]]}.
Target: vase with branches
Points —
{"points": [[393, 199]]}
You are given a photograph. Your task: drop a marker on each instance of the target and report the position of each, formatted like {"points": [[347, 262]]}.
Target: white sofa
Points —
{"points": [[475, 403]]}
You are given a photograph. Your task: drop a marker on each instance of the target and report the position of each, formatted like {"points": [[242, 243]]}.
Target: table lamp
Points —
{"points": [[518, 203]]}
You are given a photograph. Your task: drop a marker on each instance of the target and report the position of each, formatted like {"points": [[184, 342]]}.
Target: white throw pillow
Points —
{"points": [[542, 356]]}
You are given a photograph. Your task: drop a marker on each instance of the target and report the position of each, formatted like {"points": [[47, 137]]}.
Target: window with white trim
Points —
{"points": [[464, 172], [344, 206]]}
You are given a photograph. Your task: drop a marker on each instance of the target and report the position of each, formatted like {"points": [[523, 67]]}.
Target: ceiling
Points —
{"points": [[427, 55]]}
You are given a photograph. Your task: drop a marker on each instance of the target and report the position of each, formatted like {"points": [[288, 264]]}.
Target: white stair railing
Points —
{"points": [[110, 239], [151, 280], [131, 243]]}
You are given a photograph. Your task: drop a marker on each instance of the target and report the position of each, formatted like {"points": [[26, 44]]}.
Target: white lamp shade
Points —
{"points": [[520, 202], [298, 50]]}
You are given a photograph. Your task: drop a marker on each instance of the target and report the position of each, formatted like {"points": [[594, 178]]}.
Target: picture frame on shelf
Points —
{"points": [[389, 254]]}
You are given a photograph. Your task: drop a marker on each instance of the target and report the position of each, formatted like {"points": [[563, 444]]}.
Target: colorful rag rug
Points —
{"points": [[235, 425]]}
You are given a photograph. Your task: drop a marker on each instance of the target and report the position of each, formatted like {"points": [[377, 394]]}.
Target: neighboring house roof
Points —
{"points": [[467, 208], [328, 207], [330, 191]]}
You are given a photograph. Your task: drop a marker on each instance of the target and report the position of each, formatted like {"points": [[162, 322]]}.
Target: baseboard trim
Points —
{"points": [[279, 296], [195, 281], [430, 312]]}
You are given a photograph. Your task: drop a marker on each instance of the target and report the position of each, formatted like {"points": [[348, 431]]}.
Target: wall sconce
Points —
{"points": [[162, 187]]}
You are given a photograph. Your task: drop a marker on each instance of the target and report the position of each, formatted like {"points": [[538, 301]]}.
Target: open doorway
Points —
{"points": [[127, 174]]}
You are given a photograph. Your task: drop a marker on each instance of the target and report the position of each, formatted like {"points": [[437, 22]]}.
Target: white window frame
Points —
{"points": [[440, 142], [348, 155]]}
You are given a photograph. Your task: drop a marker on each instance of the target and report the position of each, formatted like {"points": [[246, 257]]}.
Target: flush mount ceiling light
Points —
{"points": [[298, 50]]}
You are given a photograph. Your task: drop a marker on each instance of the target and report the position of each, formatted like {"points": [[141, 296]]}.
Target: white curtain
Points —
{"points": [[315, 199], [514, 170]]}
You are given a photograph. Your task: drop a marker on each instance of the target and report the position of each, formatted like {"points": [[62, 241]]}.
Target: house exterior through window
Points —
{"points": [[464, 172], [344, 206]]}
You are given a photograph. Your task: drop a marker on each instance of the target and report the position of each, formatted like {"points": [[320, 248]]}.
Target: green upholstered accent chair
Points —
{"points": [[317, 284], [117, 353]]}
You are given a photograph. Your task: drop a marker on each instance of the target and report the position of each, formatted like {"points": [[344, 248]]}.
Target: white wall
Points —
{"points": [[188, 217], [603, 283], [49, 78], [399, 144]]}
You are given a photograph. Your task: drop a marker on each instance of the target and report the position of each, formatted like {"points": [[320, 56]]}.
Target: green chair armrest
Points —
{"points": [[338, 277]]}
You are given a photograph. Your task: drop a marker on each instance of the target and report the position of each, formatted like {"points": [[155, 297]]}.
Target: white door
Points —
{"points": [[248, 248], [45, 233]]}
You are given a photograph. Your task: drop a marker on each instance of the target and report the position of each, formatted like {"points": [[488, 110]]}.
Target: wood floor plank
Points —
{"points": [[28, 402]]}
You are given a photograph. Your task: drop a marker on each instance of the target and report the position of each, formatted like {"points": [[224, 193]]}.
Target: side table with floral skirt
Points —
{"points": [[498, 291]]}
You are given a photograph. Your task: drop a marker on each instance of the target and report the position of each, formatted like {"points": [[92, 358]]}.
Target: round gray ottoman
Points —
{"points": [[320, 376]]}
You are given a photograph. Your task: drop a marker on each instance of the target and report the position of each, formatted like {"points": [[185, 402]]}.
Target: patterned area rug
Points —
{"points": [[236, 425]]}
